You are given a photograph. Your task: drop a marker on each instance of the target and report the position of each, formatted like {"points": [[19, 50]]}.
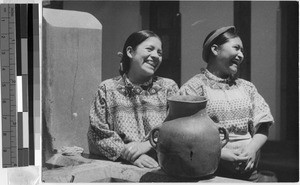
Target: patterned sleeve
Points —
{"points": [[192, 87], [261, 112], [102, 140], [173, 89]]}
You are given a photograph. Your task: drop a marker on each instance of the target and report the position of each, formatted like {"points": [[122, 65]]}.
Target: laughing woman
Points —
{"points": [[233, 103], [127, 107]]}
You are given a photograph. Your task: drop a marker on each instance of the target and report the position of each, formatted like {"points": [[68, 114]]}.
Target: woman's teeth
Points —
{"points": [[151, 64]]}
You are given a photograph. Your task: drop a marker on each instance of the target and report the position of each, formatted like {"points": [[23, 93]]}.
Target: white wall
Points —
{"points": [[265, 56], [119, 20], [198, 19]]}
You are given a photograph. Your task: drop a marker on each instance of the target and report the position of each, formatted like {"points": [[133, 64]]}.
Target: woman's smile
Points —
{"points": [[236, 61], [235, 64], [152, 63]]}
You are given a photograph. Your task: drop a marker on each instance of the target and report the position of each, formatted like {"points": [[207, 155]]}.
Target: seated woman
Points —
{"points": [[127, 107], [233, 103]]}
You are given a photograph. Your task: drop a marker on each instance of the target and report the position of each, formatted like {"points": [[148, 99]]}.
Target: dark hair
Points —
{"points": [[219, 40], [134, 40]]}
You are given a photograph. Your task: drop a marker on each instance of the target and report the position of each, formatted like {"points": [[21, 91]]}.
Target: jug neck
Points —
{"points": [[178, 109]]}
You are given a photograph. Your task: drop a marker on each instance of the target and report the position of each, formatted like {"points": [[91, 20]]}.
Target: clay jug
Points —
{"points": [[188, 143]]}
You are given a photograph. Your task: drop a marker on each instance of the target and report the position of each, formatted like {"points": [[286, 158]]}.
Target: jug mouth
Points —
{"points": [[188, 98]]}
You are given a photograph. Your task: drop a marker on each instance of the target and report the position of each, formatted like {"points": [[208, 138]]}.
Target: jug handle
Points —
{"points": [[151, 139], [224, 141]]}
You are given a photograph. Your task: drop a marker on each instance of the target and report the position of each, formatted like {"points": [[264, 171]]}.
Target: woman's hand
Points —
{"points": [[145, 161], [249, 152], [233, 159], [258, 140], [134, 150], [232, 156]]}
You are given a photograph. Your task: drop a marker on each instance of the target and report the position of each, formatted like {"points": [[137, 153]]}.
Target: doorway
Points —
{"points": [[163, 17]]}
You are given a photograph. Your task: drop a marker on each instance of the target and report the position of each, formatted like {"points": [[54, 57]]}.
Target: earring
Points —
{"points": [[121, 66]]}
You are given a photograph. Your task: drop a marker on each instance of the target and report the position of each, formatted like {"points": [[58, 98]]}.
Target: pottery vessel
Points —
{"points": [[188, 143]]}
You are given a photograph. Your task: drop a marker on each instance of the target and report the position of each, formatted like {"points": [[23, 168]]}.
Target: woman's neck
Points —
{"points": [[137, 79], [215, 71]]}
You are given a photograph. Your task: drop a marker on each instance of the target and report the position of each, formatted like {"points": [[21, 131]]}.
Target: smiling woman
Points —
{"points": [[146, 59], [229, 57], [233, 103], [223, 51], [126, 108]]}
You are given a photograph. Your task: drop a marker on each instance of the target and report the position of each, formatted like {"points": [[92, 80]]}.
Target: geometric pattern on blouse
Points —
{"points": [[237, 106], [121, 113]]}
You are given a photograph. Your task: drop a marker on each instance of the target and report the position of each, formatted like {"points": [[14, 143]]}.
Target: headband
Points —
{"points": [[207, 44]]}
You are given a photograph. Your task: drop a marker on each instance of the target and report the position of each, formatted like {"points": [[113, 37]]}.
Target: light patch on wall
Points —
{"points": [[199, 21]]}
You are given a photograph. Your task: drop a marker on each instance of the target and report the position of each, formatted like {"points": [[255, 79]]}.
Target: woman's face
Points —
{"points": [[146, 58], [230, 56]]}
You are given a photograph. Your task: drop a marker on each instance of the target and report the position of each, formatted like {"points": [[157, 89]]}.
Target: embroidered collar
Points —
{"points": [[129, 89], [144, 85], [217, 82]]}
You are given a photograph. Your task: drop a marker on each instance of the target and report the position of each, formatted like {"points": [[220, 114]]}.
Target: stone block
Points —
{"points": [[71, 71]]}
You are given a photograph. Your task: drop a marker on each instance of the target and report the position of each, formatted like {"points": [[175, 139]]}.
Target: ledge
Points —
{"points": [[96, 170]]}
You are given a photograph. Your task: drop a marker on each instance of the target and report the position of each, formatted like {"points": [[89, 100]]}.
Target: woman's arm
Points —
{"points": [[133, 150], [260, 137], [258, 140], [103, 140], [262, 120]]}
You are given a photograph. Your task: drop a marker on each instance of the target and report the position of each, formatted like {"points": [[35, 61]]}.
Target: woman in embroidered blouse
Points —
{"points": [[127, 107], [233, 103]]}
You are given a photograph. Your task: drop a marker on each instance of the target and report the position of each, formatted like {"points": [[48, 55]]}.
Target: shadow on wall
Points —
{"points": [[47, 147]]}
